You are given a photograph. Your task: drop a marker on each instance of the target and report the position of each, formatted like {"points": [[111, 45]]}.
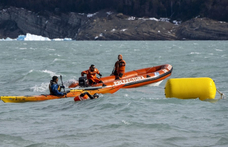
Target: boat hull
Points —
{"points": [[138, 77]]}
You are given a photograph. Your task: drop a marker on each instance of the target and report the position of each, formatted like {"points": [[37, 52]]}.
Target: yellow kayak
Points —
{"points": [[72, 93]]}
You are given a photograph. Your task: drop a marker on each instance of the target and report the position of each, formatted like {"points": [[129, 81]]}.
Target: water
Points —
{"points": [[131, 117]]}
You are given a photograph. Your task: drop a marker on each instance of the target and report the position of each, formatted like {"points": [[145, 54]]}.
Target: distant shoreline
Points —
{"points": [[105, 25]]}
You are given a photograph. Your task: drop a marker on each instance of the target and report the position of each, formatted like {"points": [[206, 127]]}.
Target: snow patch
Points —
{"points": [[123, 30], [131, 18], [177, 22], [91, 15], [109, 13]]}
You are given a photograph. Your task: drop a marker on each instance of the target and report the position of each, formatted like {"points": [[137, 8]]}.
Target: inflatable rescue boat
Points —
{"points": [[133, 78]]}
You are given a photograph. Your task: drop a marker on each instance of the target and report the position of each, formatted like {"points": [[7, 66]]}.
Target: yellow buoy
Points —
{"points": [[190, 88]]}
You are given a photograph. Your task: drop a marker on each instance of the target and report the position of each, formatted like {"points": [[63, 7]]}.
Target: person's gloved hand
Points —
{"points": [[64, 94], [100, 75], [62, 86]]}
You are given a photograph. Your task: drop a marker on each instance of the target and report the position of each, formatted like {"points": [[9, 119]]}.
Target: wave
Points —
{"points": [[196, 53], [219, 50], [69, 82], [51, 73], [40, 88]]}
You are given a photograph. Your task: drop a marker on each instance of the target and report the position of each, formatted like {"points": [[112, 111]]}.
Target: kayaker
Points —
{"points": [[54, 88], [119, 68], [91, 75], [85, 96]]}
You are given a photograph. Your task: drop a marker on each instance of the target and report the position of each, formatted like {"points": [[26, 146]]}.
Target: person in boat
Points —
{"points": [[54, 88], [91, 75], [119, 68], [85, 96]]}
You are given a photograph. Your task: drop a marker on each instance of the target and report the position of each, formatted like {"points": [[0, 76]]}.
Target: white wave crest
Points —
{"points": [[69, 82], [30, 71], [51, 73], [219, 50], [197, 53], [125, 122], [155, 84], [40, 88]]}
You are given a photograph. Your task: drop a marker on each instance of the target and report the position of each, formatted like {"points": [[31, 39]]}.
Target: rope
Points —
{"points": [[222, 96]]}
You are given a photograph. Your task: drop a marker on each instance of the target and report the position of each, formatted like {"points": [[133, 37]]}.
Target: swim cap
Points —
{"points": [[120, 56], [96, 95]]}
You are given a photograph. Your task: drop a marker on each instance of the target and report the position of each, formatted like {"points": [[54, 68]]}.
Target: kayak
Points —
{"points": [[32, 98], [72, 93], [136, 78]]}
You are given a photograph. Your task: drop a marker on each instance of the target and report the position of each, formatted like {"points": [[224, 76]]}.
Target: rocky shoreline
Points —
{"points": [[106, 25]]}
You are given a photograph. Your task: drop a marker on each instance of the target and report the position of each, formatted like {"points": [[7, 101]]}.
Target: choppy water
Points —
{"points": [[129, 118]]}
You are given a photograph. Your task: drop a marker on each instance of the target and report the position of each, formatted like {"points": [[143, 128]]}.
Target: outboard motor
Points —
{"points": [[83, 82]]}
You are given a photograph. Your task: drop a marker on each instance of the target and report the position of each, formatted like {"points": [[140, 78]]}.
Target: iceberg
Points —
{"points": [[31, 37], [7, 39]]}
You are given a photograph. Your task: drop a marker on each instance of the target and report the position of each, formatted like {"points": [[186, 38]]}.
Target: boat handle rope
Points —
{"points": [[222, 95]]}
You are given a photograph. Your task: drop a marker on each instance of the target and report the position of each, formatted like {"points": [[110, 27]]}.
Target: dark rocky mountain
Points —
{"points": [[109, 20], [173, 9]]}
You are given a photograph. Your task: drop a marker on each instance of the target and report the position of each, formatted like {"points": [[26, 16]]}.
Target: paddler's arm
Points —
{"points": [[84, 72], [90, 96], [98, 72]]}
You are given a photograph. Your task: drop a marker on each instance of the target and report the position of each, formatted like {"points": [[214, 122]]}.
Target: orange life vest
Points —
{"points": [[120, 66]]}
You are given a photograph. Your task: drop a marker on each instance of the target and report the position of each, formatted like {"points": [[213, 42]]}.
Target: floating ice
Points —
{"points": [[31, 37]]}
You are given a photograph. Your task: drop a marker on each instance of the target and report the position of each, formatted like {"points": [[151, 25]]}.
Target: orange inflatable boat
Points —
{"points": [[134, 78]]}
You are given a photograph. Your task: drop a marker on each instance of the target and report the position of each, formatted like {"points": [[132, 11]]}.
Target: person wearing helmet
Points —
{"points": [[119, 68], [91, 75], [85, 96], [54, 88]]}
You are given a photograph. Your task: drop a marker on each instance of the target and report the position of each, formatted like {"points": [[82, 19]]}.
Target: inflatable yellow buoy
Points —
{"points": [[190, 88]]}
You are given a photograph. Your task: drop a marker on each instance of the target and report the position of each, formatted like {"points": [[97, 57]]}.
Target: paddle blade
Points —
{"points": [[115, 88]]}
